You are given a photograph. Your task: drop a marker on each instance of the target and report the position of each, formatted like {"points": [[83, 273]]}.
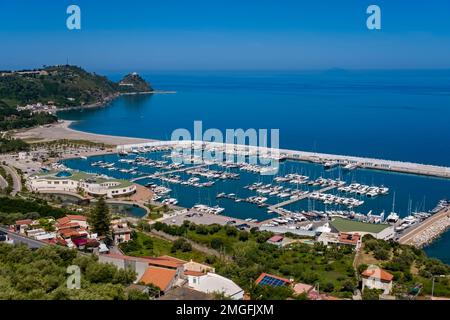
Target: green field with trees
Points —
{"points": [[329, 268]]}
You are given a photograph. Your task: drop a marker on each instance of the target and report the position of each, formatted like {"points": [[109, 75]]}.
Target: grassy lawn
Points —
{"points": [[145, 245], [344, 225]]}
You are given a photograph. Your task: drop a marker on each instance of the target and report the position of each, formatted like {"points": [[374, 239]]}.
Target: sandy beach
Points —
{"points": [[61, 130]]}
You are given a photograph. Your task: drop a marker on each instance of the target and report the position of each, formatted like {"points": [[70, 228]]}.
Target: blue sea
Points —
{"points": [[398, 115]]}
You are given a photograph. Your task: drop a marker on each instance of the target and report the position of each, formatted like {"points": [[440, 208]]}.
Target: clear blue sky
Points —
{"points": [[217, 34]]}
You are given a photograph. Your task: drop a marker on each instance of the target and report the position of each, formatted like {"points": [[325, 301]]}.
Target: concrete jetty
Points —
{"points": [[428, 230], [284, 154]]}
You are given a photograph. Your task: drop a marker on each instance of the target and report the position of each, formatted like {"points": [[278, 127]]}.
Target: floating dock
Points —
{"points": [[275, 207]]}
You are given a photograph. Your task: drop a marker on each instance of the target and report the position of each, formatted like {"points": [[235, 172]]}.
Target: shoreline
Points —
{"points": [[110, 99], [61, 130]]}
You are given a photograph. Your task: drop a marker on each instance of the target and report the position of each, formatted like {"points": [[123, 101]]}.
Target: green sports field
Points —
{"points": [[344, 225]]}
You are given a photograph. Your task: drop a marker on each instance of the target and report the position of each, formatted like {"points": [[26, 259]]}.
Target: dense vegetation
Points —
{"points": [[42, 274], [410, 266], [65, 86], [13, 145], [331, 268], [12, 209], [10, 118], [143, 245]]}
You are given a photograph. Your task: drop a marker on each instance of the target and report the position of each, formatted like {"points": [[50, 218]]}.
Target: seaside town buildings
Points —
{"points": [[72, 231], [168, 273], [76, 182]]}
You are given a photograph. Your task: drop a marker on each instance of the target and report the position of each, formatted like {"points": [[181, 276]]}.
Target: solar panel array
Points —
{"points": [[271, 281]]}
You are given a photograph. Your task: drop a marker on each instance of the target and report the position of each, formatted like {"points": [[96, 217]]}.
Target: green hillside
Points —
{"points": [[65, 86]]}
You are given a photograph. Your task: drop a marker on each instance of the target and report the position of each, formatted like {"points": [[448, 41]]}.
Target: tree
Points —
{"points": [[181, 244], [217, 243], [243, 236], [381, 254], [371, 294], [100, 219]]}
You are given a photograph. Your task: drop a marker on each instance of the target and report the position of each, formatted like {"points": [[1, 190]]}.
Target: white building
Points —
{"points": [[74, 182], [377, 278], [213, 283]]}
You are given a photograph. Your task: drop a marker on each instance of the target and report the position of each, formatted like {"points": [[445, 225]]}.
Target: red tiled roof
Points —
{"points": [[378, 273], [194, 273], [160, 277], [24, 222], [262, 275], [123, 257], [63, 220], [165, 261], [61, 241], [68, 225], [69, 233], [349, 238], [77, 217], [276, 239]]}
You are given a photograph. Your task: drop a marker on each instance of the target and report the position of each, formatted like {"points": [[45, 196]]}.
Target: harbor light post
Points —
{"points": [[434, 278]]}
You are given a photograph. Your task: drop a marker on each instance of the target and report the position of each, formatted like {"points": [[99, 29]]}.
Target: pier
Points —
{"points": [[275, 207], [429, 229], [322, 158], [168, 172]]}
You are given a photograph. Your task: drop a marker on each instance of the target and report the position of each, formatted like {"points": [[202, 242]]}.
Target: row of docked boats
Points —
{"points": [[336, 200], [146, 149], [346, 165], [276, 191], [207, 209], [361, 189], [212, 174], [176, 179], [323, 182], [258, 200], [170, 201], [160, 164], [292, 178], [254, 168]]}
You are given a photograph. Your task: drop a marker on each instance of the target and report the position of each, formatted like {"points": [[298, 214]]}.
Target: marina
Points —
{"points": [[300, 193]]}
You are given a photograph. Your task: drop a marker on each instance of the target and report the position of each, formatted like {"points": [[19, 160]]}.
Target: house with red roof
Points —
{"points": [[377, 278], [22, 226], [276, 240], [120, 231], [341, 239], [163, 278]]}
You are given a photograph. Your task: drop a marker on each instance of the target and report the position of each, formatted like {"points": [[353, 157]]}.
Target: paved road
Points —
{"points": [[3, 183], [17, 182], [18, 238]]}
